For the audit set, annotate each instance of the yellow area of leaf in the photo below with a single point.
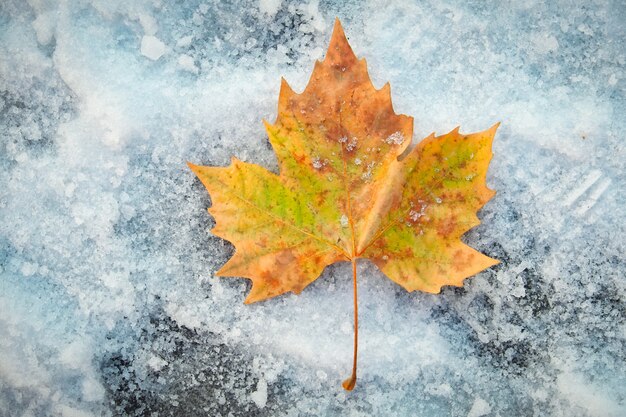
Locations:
(344, 193)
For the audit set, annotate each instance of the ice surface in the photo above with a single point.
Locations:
(109, 304)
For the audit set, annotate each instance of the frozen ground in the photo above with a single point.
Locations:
(108, 304)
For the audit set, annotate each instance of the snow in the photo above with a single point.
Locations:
(259, 397)
(186, 63)
(395, 138)
(344, 221)
(185, 41)
(269, 7)
(152, 47)
(317, 163)
(109, 301)
(479, 408)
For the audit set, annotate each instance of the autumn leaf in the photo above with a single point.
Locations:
(346, 190)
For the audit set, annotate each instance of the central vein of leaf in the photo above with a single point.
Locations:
(346, 183)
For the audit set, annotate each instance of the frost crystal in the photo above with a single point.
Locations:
(414, 215)
(352, 145)
(317, 163)
(344, 220)
(395, 138)
(367, 175)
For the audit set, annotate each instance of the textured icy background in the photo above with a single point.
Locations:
(108, 304)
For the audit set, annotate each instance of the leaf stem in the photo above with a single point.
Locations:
(349, 383)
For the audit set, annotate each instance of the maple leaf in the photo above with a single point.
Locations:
(346, 190)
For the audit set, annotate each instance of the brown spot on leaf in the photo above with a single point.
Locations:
(446, 226)
(285, 257)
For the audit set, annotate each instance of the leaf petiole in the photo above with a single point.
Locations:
(349, 383)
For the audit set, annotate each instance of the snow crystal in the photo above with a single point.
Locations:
(414, 215)
(395, 138)
(352, 144)
(367, 175)
(317, 163)
(344, 220)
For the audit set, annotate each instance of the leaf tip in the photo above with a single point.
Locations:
(285, 88)
(339, 50)
(194, 168)
(234, 161)
(338, 33)
(491, 132)
(337, 23)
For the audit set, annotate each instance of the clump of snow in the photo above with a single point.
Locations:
(269, 7)
(149, 24)
(156, 363)
(184, 41)
(545, 43)
(479, 408)
(186, 62)
(152, 47)
(260, 395)
(44, 27)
